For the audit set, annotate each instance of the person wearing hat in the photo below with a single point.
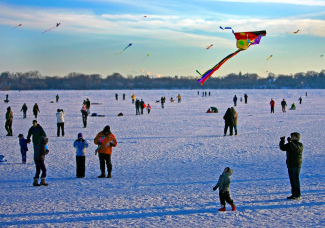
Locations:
(9, 117)
(80, 144)
(294, 150)
(105, 141)
(283, 105)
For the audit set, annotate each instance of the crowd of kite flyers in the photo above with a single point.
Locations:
(105, 141)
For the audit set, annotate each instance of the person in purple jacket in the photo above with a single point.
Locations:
(23, 147)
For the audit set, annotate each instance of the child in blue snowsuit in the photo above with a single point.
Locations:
(80, 144)
(23, 147)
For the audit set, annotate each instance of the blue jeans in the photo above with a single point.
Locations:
(294, 180)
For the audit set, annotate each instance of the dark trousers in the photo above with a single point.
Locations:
(60, 125)
(141, 111)
(272, 109)
(23, 155)
(148, 111)
(105, 158)
(84, 120)
(8, 127)
(230, 129)
(40, 165)
(294, 180)
(35, 114)
(283, 108)
(24, 114)
(225, 197)
(137, 111)
(80, 165)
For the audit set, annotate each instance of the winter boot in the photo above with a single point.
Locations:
(36, 183)
(233, 207)
(101, 175)
(109, 175)
(43, 182)
(223, 208)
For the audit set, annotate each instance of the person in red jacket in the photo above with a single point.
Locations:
(272, 103)
(105, 141)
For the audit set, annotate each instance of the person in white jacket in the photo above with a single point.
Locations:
(60, 121)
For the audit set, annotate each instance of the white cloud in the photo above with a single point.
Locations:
(295, 2)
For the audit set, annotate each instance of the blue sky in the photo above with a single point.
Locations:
(173, 33)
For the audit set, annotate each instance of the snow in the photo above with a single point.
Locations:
(166, 163)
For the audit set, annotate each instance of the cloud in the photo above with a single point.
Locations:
(294, 2)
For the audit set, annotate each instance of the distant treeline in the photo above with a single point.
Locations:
(78, 81)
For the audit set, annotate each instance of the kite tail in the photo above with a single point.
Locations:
(208, 73)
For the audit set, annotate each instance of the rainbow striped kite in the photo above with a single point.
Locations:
(244, 41)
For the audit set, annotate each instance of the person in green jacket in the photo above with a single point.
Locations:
(37, 132)
(9, 117)
(294, 150)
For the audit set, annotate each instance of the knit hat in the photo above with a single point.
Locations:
(79, 135)
(296, 134)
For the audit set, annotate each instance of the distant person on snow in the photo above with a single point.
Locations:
(57, 98)
(60, 122)
(294, 150)
(228, 117)
(24, 110)
(137, 107)
(148, 108)
(84, 113)
(245, 97)
(235, 100)
(234, 118)
(35, 110)
(224, 189)
(39, 157)
(272, 104)
(283, 105)
(300, 100)
(8, 124)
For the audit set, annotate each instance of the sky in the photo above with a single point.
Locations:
(168, 37)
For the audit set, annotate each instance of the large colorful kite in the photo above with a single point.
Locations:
(244, 41)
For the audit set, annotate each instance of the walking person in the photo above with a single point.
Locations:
(283, 105)
(294, 150)
(133, 98)
(24, 110)
(60, 122)
(36, 110)
(80, 144)
(224, 189)
(8, 124)
(40, 151)
(300, 100)
(57, 98)
(272, 104)
(106, 141)
(123, 96)
(235, 100)
(228, 117)
(142, 106)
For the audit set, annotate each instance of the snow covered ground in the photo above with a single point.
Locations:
(166, 163)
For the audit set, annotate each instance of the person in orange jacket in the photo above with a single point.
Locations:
(105, 141)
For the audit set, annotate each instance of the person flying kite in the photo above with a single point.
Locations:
(244, 41)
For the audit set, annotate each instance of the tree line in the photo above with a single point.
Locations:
(78, 81)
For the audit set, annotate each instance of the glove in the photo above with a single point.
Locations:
(282, 138)
(111, 143)
(28, 140)
(99, 143)
(289, 139)
(214, 188)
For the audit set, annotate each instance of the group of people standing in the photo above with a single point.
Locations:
(140, 105)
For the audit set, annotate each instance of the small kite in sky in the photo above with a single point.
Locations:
(321, 56)
(16, 26)
(208, 47)
(244, 41)
(57, 25)
(227, 28)
(144, 16)
(130, 44)
(296, 31)
(269, 57)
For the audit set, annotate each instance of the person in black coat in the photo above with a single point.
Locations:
(228, 117)
(24, 109)
(294, 150)
(35, 110)
(142, 106)
(39, 157)
(137, 107)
